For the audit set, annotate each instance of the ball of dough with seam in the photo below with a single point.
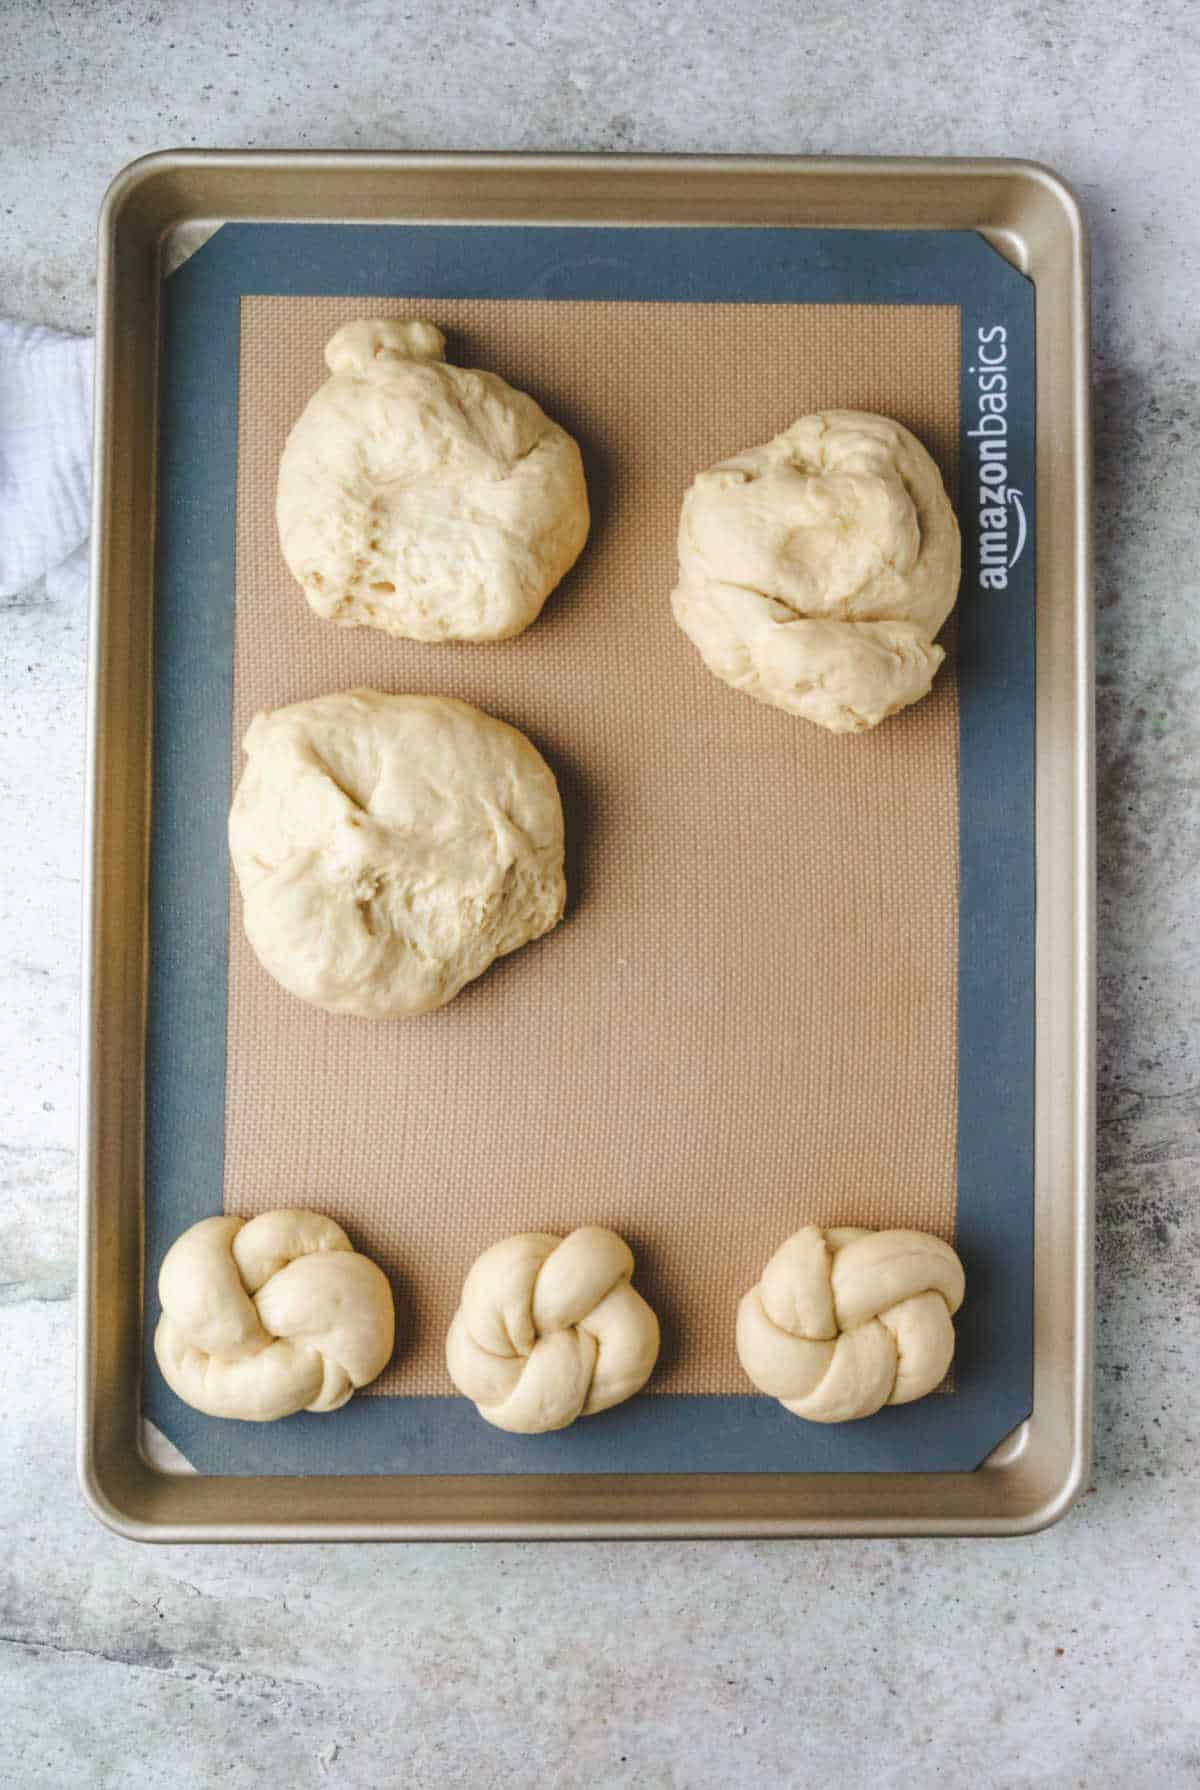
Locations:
(432, 501)
(845, 1321)
(815, 570)
(271, 1315)
(389, 848)
(549, 1329)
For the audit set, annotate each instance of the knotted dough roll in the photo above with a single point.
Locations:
(272, 1315)
(549, 1329)
(845, 1321)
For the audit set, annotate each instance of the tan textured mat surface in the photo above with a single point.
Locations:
(747, 1019)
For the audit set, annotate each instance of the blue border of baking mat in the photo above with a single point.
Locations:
(188, 880)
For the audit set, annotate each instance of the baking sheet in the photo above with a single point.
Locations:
(755, 1013)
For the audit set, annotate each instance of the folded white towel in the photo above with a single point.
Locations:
(45, 458)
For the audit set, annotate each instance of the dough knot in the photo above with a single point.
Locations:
(550, 1329)
(264, 1317)
(845, 1321)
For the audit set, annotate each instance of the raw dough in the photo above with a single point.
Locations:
(425, 499)
(814, 571)
(550, 1329)
(390, 847)
(844, 1321)
(266, 1317)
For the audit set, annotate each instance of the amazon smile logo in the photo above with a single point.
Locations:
(1014, 498)
(1003, 527)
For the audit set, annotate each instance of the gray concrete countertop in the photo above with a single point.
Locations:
(1065, 1660)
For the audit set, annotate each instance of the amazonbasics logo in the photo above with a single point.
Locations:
(1002, 525)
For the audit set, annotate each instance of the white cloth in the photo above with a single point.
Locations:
(45, 458)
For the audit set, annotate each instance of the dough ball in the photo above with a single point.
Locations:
(845, 1321)
(815, 571)
(427, 500)
(389, 848)
(550, 1329)
(270, 1316)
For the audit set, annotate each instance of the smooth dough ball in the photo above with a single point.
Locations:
(550, 1329)
(428, 500)
(845, 1321)
(389, 848)
(264, 1317)
(815, 571)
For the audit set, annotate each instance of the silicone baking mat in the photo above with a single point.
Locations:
(767, 1001)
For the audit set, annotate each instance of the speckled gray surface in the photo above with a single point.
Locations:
(1069, 1659)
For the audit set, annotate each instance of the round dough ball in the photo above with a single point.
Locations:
(814, 571)
(550, 1329)
(428, 500)
(389, 848)
(846, 1321)
(266, 1317)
